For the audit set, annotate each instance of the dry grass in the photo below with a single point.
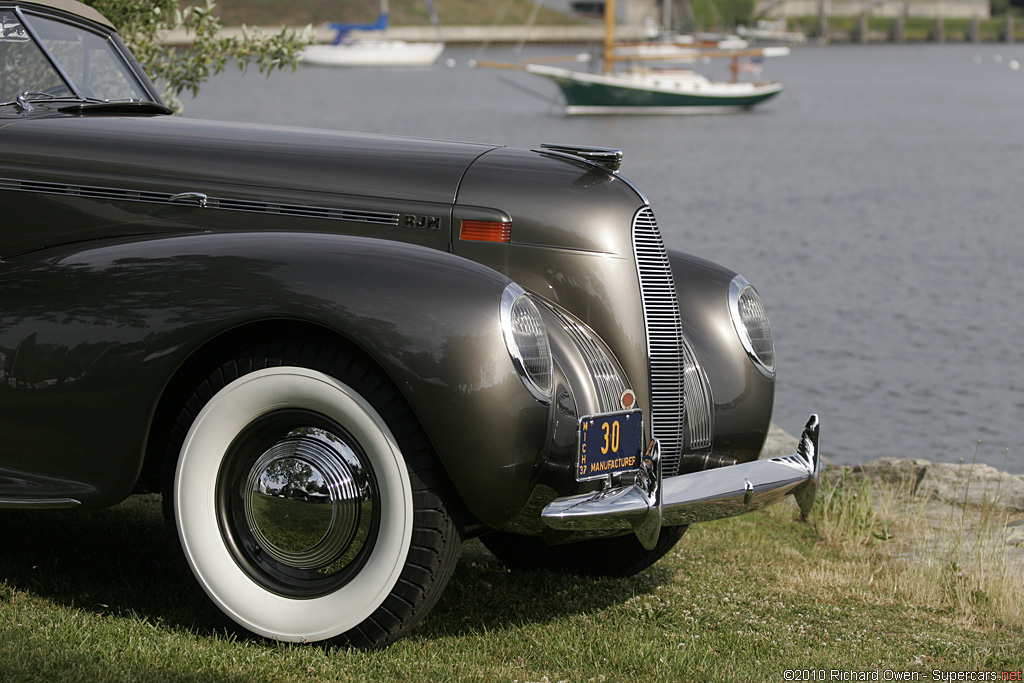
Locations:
(922, 553)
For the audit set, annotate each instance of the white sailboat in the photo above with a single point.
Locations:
(349, 50)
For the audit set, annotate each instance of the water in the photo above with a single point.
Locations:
(876, 204)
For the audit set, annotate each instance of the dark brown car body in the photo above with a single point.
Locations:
(140, 251)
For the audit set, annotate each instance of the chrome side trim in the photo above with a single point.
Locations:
(175, 199)
(653, 502)
(200, 198)
(38, 503)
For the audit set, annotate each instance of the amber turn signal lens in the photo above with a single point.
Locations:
(486, 231)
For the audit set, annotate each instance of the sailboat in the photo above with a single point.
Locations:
(644, 90)
(346, 50)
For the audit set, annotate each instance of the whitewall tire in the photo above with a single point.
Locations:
(299, 513)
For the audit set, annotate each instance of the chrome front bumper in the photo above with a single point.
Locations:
(652, 502)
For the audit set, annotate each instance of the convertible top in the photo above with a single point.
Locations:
(73, 7)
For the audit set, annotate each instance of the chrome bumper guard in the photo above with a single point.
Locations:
(652, 502)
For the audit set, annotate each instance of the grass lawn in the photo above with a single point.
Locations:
(93, 597)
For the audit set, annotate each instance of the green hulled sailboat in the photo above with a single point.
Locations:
(643, 90)
(652, 91)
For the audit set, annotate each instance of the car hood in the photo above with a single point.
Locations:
(204, 153)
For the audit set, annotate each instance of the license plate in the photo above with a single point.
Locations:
(609, 444)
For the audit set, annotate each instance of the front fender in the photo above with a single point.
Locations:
(93, 336)
(743, 396)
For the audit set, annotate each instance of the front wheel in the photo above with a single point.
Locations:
(299, 513)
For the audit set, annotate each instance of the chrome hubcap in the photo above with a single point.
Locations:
(309, 502)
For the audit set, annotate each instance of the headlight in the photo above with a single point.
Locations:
(751, 323)
(527, 340)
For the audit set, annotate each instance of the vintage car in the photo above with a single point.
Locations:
(338, 355)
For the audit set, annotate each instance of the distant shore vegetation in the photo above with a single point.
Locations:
(402, 12)
(707, 15)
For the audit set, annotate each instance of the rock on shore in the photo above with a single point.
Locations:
(958, 483)
(973, 484)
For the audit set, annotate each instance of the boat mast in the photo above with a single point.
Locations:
(609, 35)
(434, 20)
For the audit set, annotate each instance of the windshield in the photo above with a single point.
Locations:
(23, 68)
(91, 66)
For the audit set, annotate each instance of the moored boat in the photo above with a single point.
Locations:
(652, 91)
(643, 90)
(373, 53)
(346, 50)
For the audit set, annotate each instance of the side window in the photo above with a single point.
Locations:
(22, 65)
(89, 60)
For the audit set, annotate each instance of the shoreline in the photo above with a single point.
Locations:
(955, 501)
(973, 484)
(588, 33)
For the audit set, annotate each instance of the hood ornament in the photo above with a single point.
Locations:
(606, 157)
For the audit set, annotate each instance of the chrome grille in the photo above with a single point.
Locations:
(681, 413)
(607, 379)
(697, 392)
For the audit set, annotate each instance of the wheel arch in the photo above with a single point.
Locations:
(210, 355)
(471, 485)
